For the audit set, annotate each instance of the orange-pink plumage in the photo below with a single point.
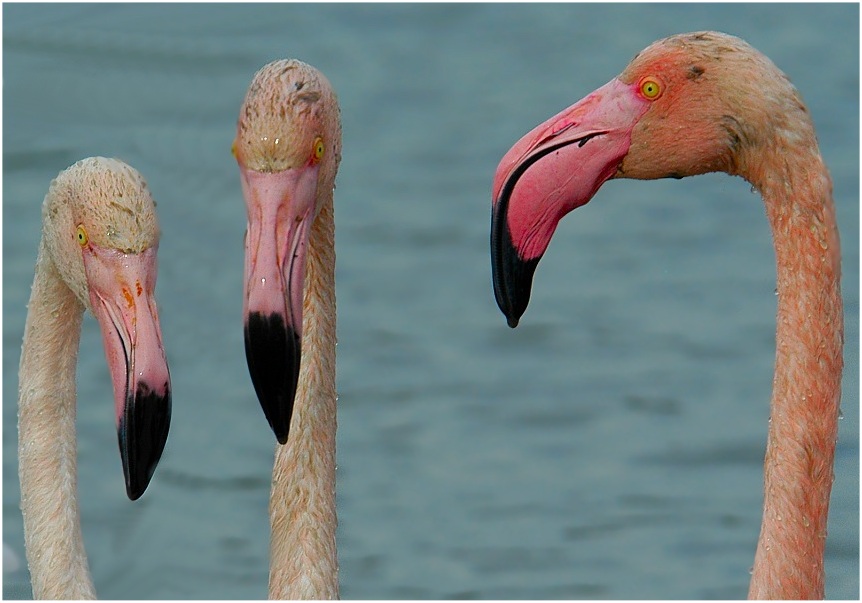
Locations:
(687, 105)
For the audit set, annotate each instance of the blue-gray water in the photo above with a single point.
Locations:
(609, 447)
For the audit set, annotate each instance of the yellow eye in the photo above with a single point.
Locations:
(233, 149)
(651, 88)
(319, 148)
(81, 235)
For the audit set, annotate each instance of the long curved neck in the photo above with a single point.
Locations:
(303, 561)
(47, 445)
(803, 426)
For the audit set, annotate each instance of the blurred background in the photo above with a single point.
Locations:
(610, 447)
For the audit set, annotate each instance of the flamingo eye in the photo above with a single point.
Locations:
(651, 88)
(81, 235)
(233, 149)
(319, 149)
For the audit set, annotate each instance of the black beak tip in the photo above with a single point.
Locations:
(512, 276)
(273, 352)
(143, 433)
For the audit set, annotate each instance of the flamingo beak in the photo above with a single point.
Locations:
(553, 169)
(122, 299)
(281, 206)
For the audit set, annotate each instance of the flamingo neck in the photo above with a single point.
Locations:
(803, 424)
(303, 560)
(47, 444)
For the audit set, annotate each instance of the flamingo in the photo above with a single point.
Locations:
(686, 105)
(288, 146)
(98, 251)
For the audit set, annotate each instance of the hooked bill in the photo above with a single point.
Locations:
(121, 290)
(553, 169)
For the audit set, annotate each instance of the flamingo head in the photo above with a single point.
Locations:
(102, 234)
(288, 146)
(683, 106)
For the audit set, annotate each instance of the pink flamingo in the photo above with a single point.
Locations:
(288, 147)
(98, 251)
(686, 105)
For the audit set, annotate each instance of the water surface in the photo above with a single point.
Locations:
(610, 447)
